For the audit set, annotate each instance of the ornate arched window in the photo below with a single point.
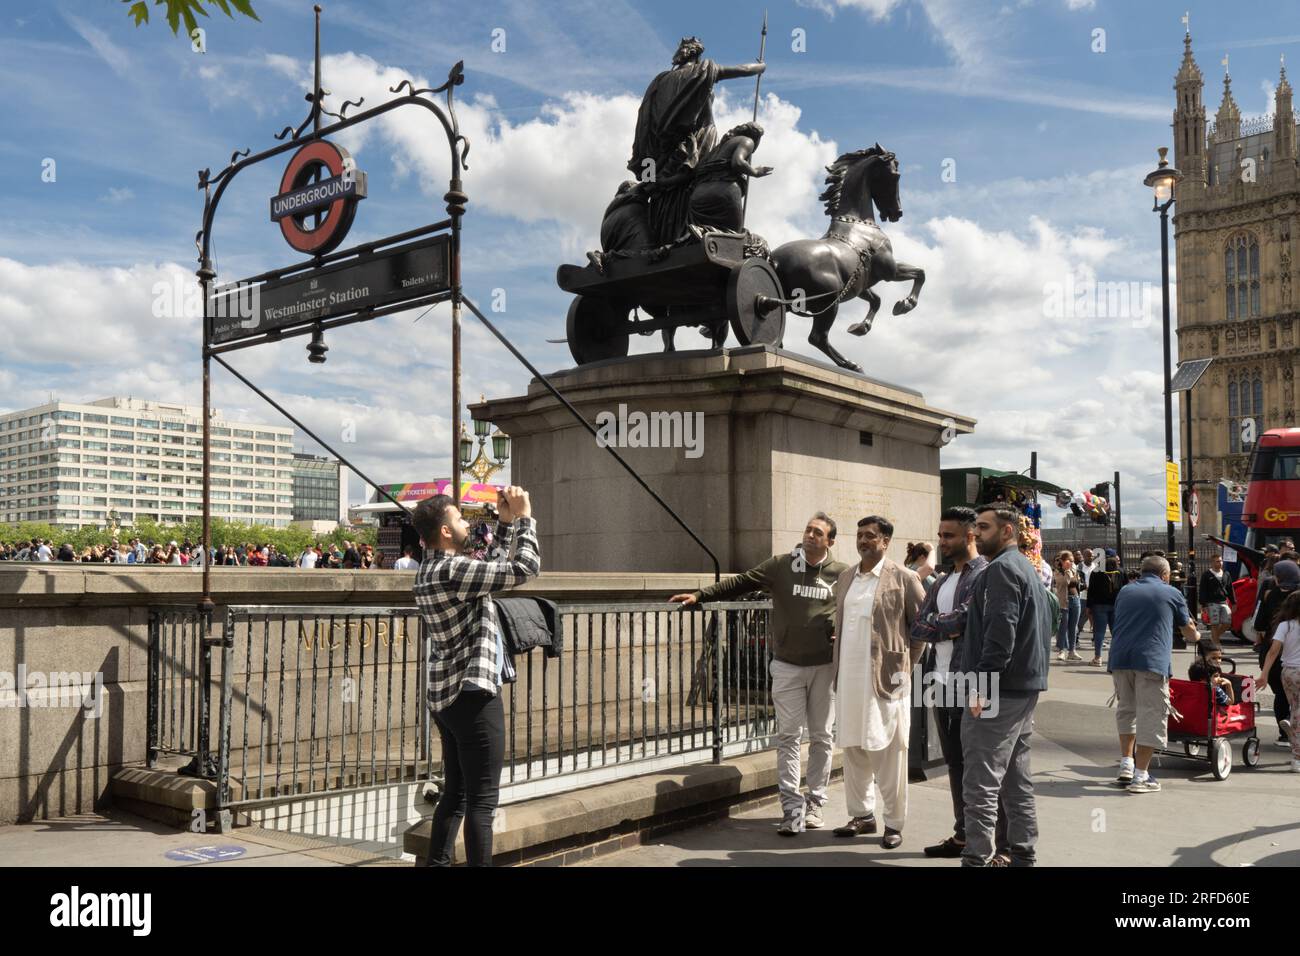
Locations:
(1241, 276)
(1245, 404)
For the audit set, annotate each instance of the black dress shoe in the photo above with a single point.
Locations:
(891, 839)
(949, 849)
(856, 827)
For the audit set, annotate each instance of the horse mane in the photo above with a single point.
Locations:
(836, 172)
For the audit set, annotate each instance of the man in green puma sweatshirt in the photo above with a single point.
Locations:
(803, 621)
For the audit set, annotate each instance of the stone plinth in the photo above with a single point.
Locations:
(783, 437)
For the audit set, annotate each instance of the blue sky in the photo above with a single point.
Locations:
(1048, 137)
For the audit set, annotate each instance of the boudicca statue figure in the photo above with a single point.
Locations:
(675, 251)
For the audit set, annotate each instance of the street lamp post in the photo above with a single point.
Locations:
(482, 466)
(1162, 181)
(1191, 584)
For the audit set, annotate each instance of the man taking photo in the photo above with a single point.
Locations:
(467, 658)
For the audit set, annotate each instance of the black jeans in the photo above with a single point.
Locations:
(948, 720)
(473, 732)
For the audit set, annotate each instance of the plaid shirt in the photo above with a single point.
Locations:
(930, 624)
(454, 595)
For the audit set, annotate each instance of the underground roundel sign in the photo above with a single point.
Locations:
(318, 197)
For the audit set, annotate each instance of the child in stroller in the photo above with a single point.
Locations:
(1208, 668)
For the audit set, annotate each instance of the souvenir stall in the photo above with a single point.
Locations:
(1025, 495)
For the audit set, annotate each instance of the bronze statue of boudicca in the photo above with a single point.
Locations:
(675, 251)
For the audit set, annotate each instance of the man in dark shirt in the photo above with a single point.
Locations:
(1214, 595)
(351, 556)
(1004, 662)
(942, 622)
(803, 673)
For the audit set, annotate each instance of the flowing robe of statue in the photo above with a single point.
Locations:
(674, 128)
(718, 197)
(624, 227)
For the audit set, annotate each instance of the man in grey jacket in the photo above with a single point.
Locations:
(1005, 653)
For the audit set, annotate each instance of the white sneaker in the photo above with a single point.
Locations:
(1295, 765)
(812, 816)
(1074, 657)
(1147, 784)
(1061, 657)
(1126, 767)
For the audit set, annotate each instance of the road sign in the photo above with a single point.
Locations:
(1173, 493)
(1187, 374)
(1193, 508)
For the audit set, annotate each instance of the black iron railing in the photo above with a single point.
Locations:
(328, 700)
(179, 682)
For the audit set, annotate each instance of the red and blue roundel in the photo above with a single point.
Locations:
(318, 197)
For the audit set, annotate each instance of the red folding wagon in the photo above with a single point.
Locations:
(1205, 728)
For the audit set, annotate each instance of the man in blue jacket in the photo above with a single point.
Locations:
(1005, 653)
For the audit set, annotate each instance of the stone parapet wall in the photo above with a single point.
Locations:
(58, 760)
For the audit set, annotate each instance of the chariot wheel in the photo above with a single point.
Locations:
(753, 303)
(596, 329)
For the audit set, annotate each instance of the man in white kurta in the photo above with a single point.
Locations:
(872, 679)
(873, 733)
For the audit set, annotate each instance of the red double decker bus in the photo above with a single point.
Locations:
(1272, 509)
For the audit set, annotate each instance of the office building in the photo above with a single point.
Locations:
(70, 464)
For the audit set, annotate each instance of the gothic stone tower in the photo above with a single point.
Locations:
(1234, 220)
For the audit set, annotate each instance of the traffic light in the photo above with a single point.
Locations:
(1102, 490)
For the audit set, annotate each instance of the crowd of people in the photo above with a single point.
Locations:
(348, 556)
(846, 641)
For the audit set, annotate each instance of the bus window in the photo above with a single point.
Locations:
(1286, 466)
(1276, 464)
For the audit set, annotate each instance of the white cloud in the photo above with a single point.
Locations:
(564, 165)
(117, 194)
(108, 51)
(964, 28)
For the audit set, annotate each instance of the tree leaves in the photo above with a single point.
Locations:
(178, 10)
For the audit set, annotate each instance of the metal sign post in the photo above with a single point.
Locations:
(314, 209)
(1185, 378)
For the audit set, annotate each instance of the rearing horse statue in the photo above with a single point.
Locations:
(853, 255)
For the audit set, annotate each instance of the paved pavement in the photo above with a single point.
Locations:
(1250, 819)
(122, 839)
